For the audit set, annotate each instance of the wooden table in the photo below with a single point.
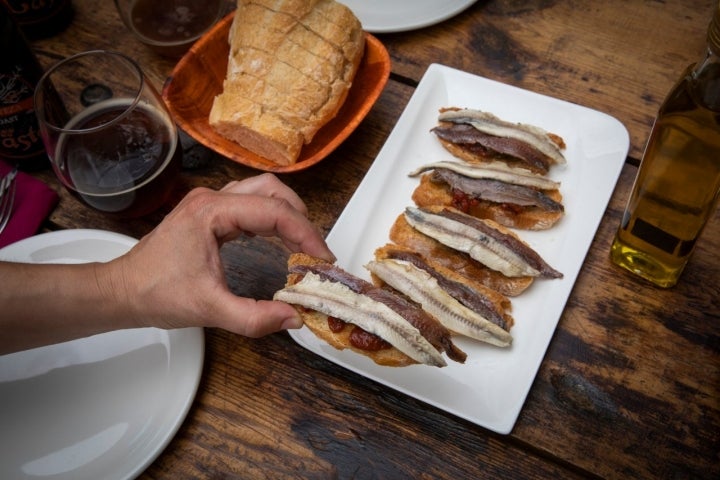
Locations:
(629, 385)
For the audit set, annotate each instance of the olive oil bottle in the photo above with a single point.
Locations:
(678, 183)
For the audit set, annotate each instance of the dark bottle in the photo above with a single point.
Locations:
(20, 141)
(40, 18)
(678, 184)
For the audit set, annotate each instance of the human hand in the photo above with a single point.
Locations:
(174, 276)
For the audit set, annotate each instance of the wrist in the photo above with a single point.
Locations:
(113, 289)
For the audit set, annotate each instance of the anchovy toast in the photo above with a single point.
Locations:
(348, 312)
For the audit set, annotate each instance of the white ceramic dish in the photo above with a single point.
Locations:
(385, 16)
(99, 407)
(491, 387)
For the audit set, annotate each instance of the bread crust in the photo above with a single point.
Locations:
(429, 193)
(290, 68)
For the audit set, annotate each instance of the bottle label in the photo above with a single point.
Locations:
(29, 12)
(19, 132)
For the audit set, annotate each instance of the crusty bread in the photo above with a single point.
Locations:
(429, 193)
(317, 322)
(402, 233)
(290, 68)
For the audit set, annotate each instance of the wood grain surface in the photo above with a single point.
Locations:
(629, 385)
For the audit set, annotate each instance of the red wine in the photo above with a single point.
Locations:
(127, 169)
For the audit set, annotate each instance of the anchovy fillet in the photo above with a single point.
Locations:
(497, 191)
(424, 289)
(490, 124)
(337, 300)
(496, 171)
(463, 292)
(494, 249)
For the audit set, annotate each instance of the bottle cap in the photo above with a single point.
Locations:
(713, 37)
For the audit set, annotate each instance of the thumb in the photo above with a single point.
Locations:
(256, 318)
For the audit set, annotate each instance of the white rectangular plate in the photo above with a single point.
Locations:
(491, 387)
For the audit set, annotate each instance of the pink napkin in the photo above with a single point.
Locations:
(33, 203)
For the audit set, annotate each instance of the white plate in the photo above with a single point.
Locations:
(491, 387)
(100, 407)
(385, 16)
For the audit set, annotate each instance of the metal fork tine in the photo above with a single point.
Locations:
(7, 197)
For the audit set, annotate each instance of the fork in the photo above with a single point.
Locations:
(7, 197)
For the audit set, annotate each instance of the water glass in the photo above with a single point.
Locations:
(170, 27)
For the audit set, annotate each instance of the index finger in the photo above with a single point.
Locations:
(268, 185)
(268, 216)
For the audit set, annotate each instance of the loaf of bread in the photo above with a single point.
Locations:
(290, 67)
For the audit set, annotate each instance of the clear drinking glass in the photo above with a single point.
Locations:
(108, 134)
(170, 27)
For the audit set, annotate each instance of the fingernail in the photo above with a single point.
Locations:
(292, 323)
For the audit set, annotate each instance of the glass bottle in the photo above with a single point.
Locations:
(40, 19)
(20, 141)
(678, 183)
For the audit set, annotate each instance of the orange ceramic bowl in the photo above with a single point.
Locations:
(198, 78)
